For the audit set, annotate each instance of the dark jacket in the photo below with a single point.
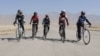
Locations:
(46, 21)
(20, 17)
(82, 19)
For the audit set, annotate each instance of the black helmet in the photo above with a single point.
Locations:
(35, 13)
(82, 13)
(46, 15)
(19, 11)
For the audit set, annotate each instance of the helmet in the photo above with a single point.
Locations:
(35, 13)
(63, 13)
(82, 13)
(19, 11)
(63, 10)
(46, 15)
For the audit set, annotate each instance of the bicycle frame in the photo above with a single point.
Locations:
(19, 31)
(84, 30)
(34, 29)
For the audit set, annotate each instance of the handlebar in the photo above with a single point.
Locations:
(88, 25)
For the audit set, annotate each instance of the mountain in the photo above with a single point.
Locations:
(54, 16)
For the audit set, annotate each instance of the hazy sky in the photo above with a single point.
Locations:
(44, 6)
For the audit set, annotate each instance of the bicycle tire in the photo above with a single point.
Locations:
(33, 30)
(17, 34)
(86, 37)
(62, 34)
(45, 31)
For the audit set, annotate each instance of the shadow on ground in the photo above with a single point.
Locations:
(40, 38)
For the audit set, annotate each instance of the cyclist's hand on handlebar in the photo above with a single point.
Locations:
(89, 26)
(67, 24)
(42, 23)
(30, 23)
(23, 21)
(14, 23)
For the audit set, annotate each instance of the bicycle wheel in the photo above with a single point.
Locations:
(62, 33)
(20, 33)
(86, 37)
(17, 33)
(46, 31)
(33, 30)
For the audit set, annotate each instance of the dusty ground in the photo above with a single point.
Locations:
(52, 46)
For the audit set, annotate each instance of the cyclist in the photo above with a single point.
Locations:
(46, 21)
(62, 20)
(80, 23)
(35, 20)
(20, 18)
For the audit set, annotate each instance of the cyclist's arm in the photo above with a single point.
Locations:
(88, 21)
(37, 20)
(59, 20)
(23, 16)
(49, 21)
(16, 18)
(43, 21)
(31, 20)
(23, 19)
(67, 20)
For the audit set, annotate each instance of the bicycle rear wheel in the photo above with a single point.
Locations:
(62, 34)
(33, 31)
(45, 31)
(86, 37)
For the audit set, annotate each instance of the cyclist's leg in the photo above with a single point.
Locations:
(48, 28)
(64, 31)
(79, 31)
(22, 25)
(59, 28)
(44, 31)
(32, 29)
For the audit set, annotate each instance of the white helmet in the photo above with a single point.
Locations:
(64, 10)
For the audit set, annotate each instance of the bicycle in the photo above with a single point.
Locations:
(62, 33)
(46, 31)
(19, 32)
(34, 30)
(85, 34)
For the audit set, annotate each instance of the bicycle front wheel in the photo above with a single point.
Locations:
(86, 37)
(17, 34)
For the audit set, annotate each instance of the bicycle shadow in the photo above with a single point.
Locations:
(14, 39)
(40, 38)
(53, 40)
(30, 37)
(9, 39)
